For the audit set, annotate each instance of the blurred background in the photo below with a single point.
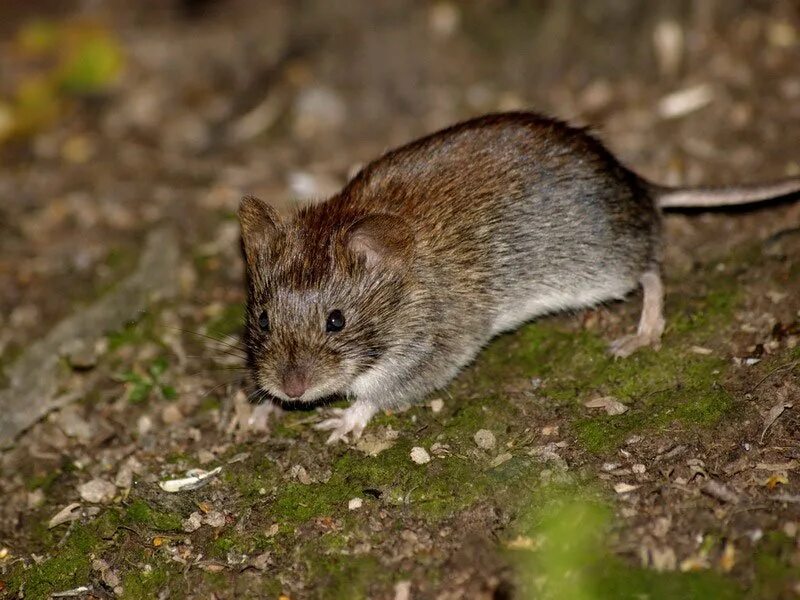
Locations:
(116, 115)
(119, 118)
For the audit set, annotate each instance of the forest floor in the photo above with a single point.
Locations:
(128, 135)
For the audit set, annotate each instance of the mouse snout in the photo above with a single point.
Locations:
(295, 382)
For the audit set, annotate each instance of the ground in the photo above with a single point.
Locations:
(129, 132)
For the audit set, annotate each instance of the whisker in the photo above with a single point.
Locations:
(210, 337)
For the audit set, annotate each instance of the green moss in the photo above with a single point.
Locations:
(69, 567)
(662, 388)
(343, 577)
(139, 584)
(140, 513)
(776, 566)
(571, 558)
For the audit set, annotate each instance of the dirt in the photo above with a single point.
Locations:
(127, 117)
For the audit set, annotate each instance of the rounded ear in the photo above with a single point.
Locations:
(381, 239)
(259, 225)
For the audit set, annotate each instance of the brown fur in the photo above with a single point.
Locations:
(436, 247)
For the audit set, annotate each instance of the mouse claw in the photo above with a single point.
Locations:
(352, 420)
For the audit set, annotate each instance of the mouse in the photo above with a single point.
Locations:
(383, 292)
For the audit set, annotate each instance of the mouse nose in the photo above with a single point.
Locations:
(295, 383)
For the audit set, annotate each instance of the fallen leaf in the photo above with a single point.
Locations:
(624, 488)
(728, 558)
(68, 513)
(775, 480)
(196, 478)
(772, 416)
(611, 405)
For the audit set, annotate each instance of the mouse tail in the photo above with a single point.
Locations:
(711, 197)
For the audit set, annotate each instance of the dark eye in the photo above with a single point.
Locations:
(263, 321)
(335, 321)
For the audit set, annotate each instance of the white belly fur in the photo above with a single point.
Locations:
(513, 315)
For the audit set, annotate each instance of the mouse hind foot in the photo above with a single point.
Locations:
(651, 323)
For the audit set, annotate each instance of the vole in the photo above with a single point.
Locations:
(383, 292)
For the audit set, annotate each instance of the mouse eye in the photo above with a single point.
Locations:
(263, 321)
(335, 321)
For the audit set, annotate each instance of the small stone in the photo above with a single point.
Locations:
(97, 491)
(624, 488)
(144, 425)
(355, 503)
(611, 405)
(437, 404)
(124, 478)
(402, 590)
(420, 456)
(171, 414)
(214, 519)
(192, 522)
(484, 439)
(638, 468)
(550, 430)
(81, 355)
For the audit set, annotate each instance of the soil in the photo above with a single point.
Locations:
(689, 489)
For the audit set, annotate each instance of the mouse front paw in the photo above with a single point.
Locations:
(345, 421)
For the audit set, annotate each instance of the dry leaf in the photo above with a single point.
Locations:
(728, 558)
(772, 416)
(624, 488)
(775, 480)
(69, 513)
(611, 405)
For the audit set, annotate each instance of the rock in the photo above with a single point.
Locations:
(420, 456)
(355, 503)
(192, 522)
(485, 439)
(437, 404)
(97, 491)
(214, 519)
(171, 414)
(611, 405)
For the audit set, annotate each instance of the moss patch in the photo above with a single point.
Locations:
(567, 532)
(67, 568)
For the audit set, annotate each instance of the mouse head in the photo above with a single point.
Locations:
(328, 293)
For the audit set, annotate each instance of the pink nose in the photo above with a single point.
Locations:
(295, 384)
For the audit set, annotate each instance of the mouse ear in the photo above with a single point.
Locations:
(381, 239)
(259, 225)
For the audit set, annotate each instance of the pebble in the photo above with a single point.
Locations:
(355, 503)
(171, 414)
(437, 404)
(638, 468)
(192, 522)
(97, 491)
(420, 456)
(214, 519)
(624, 488)
(484, 439)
